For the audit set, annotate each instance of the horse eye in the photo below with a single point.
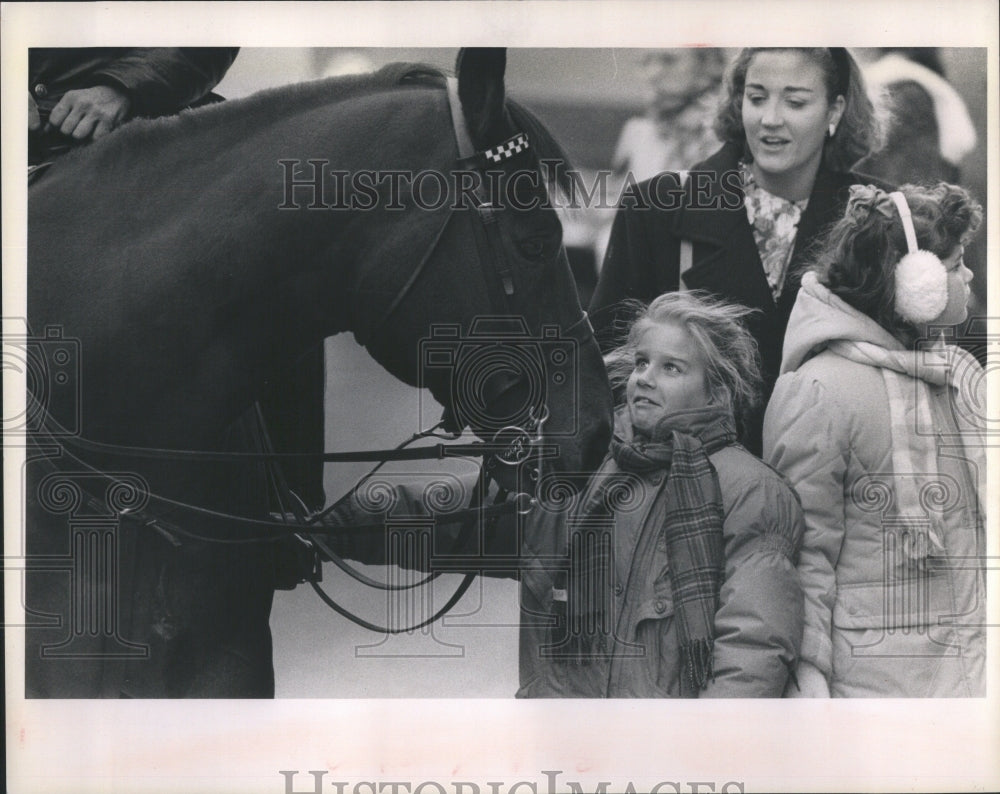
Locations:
(533, 248)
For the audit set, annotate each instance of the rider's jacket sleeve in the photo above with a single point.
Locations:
(159, 80)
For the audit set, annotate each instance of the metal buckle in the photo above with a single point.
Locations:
(518, 447)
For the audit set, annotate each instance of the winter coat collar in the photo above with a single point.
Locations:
(724, 190)
(717, 222)
(820, 321)
(721, 187)
(820, 317)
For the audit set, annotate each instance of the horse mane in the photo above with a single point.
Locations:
(140, 136)
(330, 90)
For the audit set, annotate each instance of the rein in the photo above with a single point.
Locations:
(56, 447)
(472, 449)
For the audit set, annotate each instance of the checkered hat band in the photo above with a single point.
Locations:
(507, 149)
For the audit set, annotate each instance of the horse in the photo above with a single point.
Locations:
(178, 265)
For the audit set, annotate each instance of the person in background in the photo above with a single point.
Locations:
(879, 425)
(676, 130)
(80, 94)
(930, 131)
(793, 122)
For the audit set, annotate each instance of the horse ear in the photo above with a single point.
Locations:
(480, 73)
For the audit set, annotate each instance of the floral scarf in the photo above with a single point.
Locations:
(775, 222)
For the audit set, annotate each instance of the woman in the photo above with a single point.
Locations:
(878, 425)
(673, 576)
(793, 123)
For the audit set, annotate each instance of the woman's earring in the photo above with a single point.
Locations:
(832, 130)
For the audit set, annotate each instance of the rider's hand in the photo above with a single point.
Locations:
(34, 120)
(90, 112)
(812, 683)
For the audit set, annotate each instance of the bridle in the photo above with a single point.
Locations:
(515, 447)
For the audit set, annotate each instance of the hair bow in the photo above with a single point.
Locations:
(866, 199)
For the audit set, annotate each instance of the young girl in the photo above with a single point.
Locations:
(878, 423)
(793, 123)
(674, 574)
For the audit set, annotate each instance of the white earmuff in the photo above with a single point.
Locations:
(921, 277)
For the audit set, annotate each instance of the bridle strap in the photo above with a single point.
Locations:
(466, 151)
(272, 530)
(455, 596)
(410, 281)
(487, 213)
(465, 148)
(313, 540)
(474, 449)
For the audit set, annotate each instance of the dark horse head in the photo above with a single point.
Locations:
(519, 346)
(178, 265)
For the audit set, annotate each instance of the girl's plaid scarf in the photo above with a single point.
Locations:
(692, 529)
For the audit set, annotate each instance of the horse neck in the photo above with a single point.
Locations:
(331, 249)
(189, 252)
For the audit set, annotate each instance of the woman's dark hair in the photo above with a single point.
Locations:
(859, 256)
(859, 132)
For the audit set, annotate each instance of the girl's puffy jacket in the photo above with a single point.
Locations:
(877, 623)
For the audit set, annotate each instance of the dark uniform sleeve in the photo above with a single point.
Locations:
(164, 80)
(404, 521)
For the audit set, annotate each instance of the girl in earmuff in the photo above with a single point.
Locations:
(879, 425)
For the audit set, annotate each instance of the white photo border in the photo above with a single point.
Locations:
(207, 746)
